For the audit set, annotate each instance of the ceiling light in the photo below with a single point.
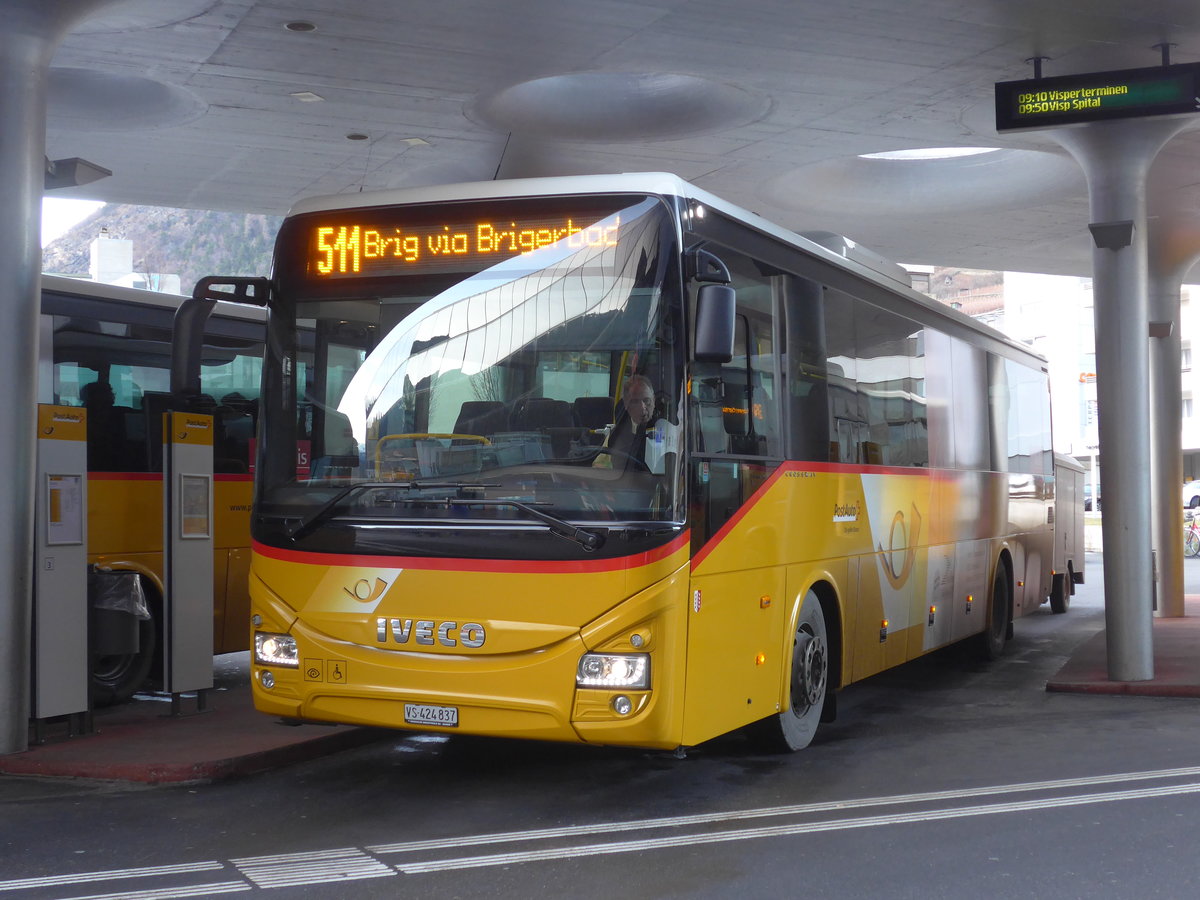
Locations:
(306, 97)
(73, 172)
(300, 27)
(930, 153)
(357, 136)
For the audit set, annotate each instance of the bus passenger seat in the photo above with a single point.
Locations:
(483, 417)
(550, 417)
(593, 412)
(105, 431)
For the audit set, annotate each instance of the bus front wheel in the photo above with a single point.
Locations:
(794, 728)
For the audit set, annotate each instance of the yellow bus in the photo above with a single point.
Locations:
(606, 459)
(108, 348)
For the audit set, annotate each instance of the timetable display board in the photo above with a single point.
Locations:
(1097, 97)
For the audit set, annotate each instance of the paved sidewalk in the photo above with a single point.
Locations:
(1176, 661)
(140, 741)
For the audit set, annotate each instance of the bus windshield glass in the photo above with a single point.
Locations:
(521, 354)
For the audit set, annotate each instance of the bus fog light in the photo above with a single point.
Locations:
(275, 650)
(622, 705)
(614, 670)
(268, 680)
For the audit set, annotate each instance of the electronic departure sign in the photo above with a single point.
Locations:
(1097, 97)
(368, 246)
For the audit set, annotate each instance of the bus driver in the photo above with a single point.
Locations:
(641, 436)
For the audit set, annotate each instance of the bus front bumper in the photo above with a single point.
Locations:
(521, 695)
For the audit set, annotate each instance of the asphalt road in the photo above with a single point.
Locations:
(945, 778)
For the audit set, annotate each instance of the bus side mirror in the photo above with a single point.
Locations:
(233, 289)
(187, 333)
(715, 304)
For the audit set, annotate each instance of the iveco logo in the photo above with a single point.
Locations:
(427, 632)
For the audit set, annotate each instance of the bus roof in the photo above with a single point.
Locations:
(839, 251)
(85, 287)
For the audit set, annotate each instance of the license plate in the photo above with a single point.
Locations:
(424, 714)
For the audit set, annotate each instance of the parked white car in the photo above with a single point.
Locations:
(1191, 494)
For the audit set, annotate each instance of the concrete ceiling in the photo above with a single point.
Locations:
(768, 103)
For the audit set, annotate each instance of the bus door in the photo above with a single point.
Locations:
(739, 539)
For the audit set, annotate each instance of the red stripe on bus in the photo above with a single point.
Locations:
(157, 476)
(124, 476)
(855, 469)
(458, 564)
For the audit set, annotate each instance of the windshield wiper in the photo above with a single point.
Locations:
(589, 540)
(297, 528)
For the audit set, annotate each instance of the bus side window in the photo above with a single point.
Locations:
(807, 369)
(891, 385)
(847, 422)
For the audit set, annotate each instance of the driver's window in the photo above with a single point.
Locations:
(736, 404)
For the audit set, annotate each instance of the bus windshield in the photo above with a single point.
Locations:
(535, 373)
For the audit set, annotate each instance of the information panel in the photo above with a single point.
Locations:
(61, 657)
(1097, 97)
(188, 552)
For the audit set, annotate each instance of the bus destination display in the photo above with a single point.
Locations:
(348, 249)
(1097, 96)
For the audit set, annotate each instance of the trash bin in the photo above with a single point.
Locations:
(117, 603)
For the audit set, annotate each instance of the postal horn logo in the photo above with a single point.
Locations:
(364, 593)
(903, 538)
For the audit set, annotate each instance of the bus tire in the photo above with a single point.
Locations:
(1060, 593)
(116, 677)
(794, 728)
(993, 638)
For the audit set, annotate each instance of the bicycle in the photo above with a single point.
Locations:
(1191, 536)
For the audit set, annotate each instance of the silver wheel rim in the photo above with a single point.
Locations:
(809, 672)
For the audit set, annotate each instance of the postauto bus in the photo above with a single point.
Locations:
(837, 474)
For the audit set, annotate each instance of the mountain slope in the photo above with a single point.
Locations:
(189, 242)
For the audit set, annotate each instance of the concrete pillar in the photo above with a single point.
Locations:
(1166, 436)
(31, 31)
(1174, 246)
(1116, 158)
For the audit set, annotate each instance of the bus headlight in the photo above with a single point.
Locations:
(614, 670)
(275, 650)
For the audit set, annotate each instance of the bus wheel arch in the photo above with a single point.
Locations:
(114, 678)
(811, 674)
(833, 626)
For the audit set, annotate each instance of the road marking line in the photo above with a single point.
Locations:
(196, 890)
(691, 840)
(110, 875)
(772, 811)
(318, 867)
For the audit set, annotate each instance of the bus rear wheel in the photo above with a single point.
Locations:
(1060, 592)
(995, 635)
(794, 728)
